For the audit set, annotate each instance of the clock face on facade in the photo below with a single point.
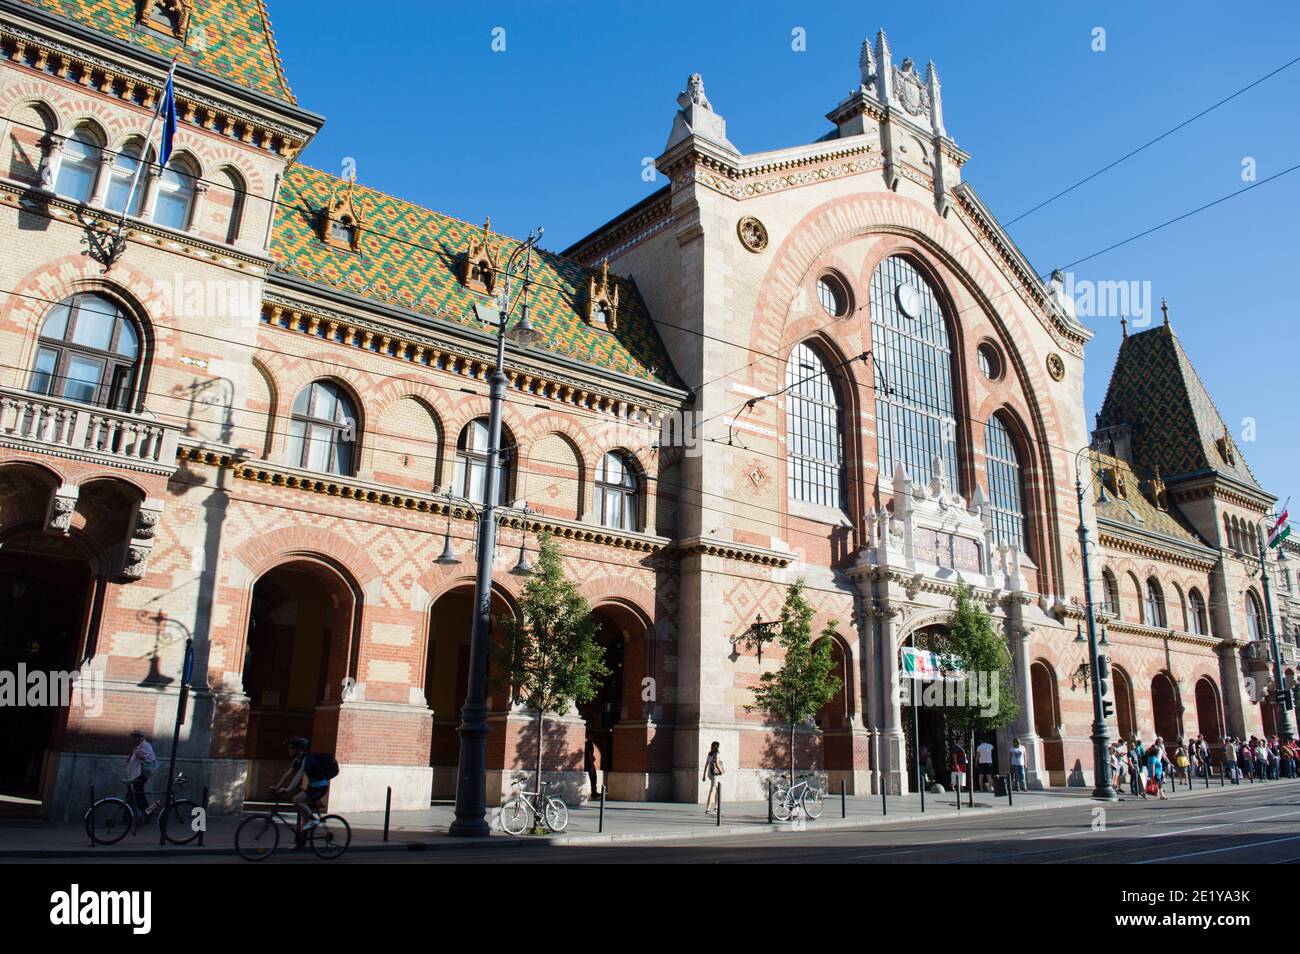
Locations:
(909, 299)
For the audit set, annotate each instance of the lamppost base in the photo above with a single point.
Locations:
(1104, 793)
(469, 828)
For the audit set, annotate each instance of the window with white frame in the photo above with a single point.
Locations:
(617, 500)
(1006, 485)
(814, 455)
(323, 429)
(470, 479)
(79, 164)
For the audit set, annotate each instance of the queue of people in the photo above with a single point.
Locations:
(1145, 769)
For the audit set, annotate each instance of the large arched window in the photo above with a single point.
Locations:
(176, 194)
(232, 185)
(122, 176)
(912, 357)
(79, 164)
(616, 492)
(1155, 604)
(323, 429)
(812, 421)
(1006, 486)
(470, 480)
(1254, 616)
(88, 351)
(1196, 621)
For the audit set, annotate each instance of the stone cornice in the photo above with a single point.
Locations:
(702, 546)
(1155, 633)
(42, 56)
(25, 196)
(1216, 486)
(431, 352)
(1155, 547)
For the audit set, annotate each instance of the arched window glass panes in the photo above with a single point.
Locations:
(470, 480)
(88, 351)
(1112, 593)
(616, 493)
(78, 165)
(912, 358)
(1155, 604)
(121, 176)
(814, 459)
(1006, 487)
(175, 195)
(1196, 621)
(1254, 617)
(322, 429)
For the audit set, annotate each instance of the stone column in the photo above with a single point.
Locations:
(50, 162)
(1232, 680)
(102, 180)
(196, 210)
(893, 745)
(1023, 726)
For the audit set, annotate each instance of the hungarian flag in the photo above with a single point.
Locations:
(925, 665)
(1281, 530)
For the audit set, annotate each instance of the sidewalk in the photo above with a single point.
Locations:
(623, 822)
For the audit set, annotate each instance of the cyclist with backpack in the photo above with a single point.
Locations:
(311, 772)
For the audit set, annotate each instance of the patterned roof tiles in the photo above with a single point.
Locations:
(410, 257)
(1175, 425)
(227, 38)
(1136, 509)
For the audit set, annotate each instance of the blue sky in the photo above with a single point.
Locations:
(553, 131)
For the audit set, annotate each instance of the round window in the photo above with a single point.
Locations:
(990, 362)
(833, 296)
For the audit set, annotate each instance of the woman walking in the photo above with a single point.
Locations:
(713, 771)
(1156, 768)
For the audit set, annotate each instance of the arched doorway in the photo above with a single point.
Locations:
(928, 739)
(1164, 708)
(1125, 711)
(835, 719)
(619, 720)
(446, 677)
(45, 595)
(298, 656)
(1047, 720)
(1209, 714)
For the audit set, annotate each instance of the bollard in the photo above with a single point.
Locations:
(90, 817)
(600, 826)
(1206, 773)
(1010, 799)
(1223, 772)
(203, 831)
(957, 789)
(388, 810)
(770, 819)
(844, 804)
(884, 805)
(719, 822)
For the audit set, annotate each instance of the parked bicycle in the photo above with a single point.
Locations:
(807, 795)
(258, 835)
(111, 819)
(519, 813)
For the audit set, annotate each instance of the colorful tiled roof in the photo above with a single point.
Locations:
(1137, 509)
(231, 39)
(1175, 426)
(411, 257)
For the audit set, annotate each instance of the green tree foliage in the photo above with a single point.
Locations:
(806, 680)
(983, 655)
(549, 657)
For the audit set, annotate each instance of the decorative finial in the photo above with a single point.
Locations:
(1123, 323)
(1164, 308)
(867, 64)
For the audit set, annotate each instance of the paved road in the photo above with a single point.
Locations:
(1235, 825)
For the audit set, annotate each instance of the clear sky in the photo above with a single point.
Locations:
(553, 130)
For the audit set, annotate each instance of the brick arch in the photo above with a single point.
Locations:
(275, 402)
(538, 471)
(637, 598)
(28, 92)
(300, 373)
(432, 455)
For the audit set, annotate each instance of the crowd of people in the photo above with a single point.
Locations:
(1145, 769)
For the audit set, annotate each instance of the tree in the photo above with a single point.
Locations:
(549, 656)
(805, 682)
(983, 656)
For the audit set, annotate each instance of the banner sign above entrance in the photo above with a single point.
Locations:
(922, 664)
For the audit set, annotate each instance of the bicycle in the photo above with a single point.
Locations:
(518, 814)
(259, 835)
(110, 819)
(805, 794)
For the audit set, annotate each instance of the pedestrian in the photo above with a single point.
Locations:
(591, 764)
(927, 764)
(140, 764)
(1156, 769)
(984, 765)
(1230, 767)
(1183, 764)
(1140, 757)
(1261, 760)
(1244, 759)
(713, 772)
(958, 767)
(1134, 774)
(1112, 761)
(1018, 755)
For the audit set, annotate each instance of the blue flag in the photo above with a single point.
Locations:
(169, 117)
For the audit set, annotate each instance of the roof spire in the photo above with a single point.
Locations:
(1123, 323)
(1164, 309)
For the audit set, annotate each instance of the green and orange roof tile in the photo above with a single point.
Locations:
(411, 257)
(231, 39)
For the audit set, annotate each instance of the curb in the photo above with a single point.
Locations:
(489, 843)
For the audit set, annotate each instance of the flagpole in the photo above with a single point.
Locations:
(144, 154)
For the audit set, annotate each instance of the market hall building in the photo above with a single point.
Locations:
(261, 426)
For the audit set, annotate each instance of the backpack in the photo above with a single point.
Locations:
(321, 767)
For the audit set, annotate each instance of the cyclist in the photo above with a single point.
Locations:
(309, 773)
(140, 764)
